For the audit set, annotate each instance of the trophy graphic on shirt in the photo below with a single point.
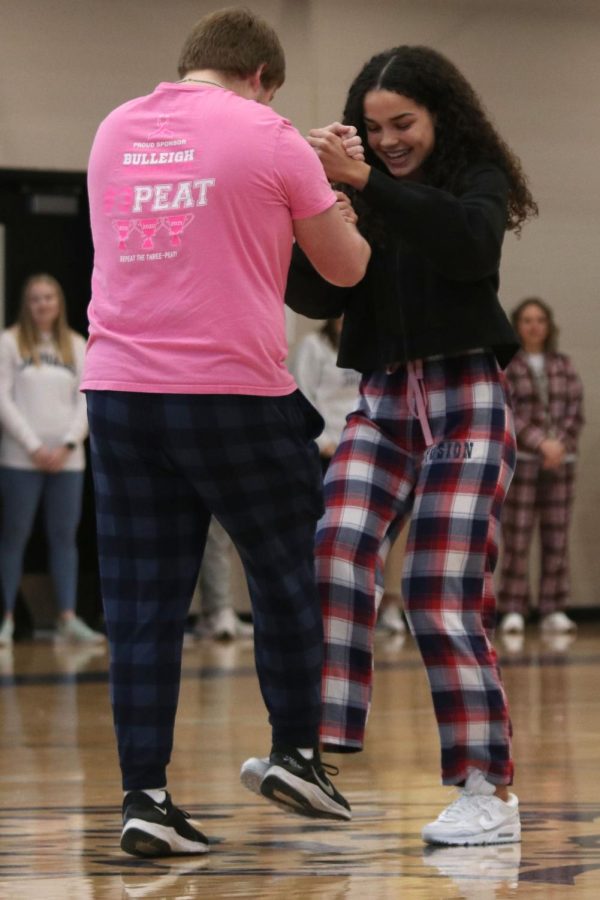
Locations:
(123, 227)
(148, 228)
(176, 225)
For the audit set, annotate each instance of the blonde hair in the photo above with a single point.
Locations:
(27, 334)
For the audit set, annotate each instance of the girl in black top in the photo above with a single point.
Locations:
(433, 435)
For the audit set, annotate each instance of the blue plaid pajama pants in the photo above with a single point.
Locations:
(382, 473)
(162, 465)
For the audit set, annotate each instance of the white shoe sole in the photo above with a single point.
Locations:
(299, 796)
(82, 641)
(252, 773)
(561, 629)
(141, 838)
(508, 832)
(513, 628)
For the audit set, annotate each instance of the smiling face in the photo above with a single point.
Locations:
(400, 132)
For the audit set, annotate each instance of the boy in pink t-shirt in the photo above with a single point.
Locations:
(193, 242)
(196, 194)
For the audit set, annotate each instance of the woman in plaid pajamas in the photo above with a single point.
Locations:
(547, 399)
(432, 437)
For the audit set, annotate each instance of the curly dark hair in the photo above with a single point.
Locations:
(463, 132)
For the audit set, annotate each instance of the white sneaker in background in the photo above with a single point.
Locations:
(512, 623)
(478, 816)
(390, 620)
(556, 642)
(6, 633)
(513, 642)
(479, 872)
(243, 629)
(223, 625)
(76, 630)
(558, 622)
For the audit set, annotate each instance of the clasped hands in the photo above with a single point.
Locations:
(553, 453)
(50, 460)
(339, 147)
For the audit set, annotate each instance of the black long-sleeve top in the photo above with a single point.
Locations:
(433, 289)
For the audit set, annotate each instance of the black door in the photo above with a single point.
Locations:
(45, 219)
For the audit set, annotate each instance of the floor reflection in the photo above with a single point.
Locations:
(478, 872)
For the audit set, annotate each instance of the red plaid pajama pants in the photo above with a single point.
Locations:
(453, 490)
(544, 497)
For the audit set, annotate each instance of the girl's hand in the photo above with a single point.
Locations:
(338, 165)
(553, 453)
(58, 458)
(345, 207)
(328, 450)
(351, 140)
(41, 458)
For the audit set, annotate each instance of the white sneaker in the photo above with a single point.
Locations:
(6, 632)
(513, 623)
(390, 620)
(478, 816)
(76, 630)
(253, 771)
(556, 642)
(224, 625)
(512, 641)
(558, 622)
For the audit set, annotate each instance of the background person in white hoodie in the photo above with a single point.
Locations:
(334, 392)
(44, 423)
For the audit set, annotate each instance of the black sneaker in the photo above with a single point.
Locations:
(301, 786)
(158, 829)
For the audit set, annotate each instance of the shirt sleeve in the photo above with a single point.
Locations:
(529, 435)
(78, 429)
(461, 236)
(569, 427)
(11, 417)
(301, 175)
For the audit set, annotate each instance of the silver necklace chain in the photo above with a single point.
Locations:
(202, 81)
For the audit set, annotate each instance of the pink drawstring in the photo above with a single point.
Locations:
(417, 397)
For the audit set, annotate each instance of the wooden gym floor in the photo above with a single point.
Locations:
(60, 794)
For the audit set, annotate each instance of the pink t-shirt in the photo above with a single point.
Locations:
(193, 190)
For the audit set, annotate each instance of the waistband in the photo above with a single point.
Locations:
(416, 392)
(394, 366)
